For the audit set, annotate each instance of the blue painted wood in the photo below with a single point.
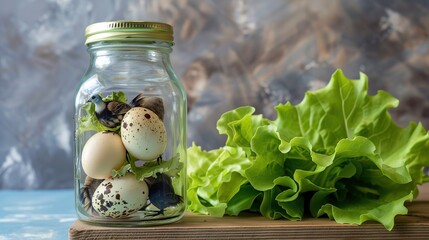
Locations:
(41, 214)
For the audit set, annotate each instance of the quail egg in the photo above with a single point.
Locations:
(143, 134)
(120, 197)
(102, 153)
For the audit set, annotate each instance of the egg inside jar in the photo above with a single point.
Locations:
(130, 170)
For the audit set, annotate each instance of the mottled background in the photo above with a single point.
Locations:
(228, 54)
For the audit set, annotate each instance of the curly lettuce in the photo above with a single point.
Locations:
(336, 154)
(145, 169)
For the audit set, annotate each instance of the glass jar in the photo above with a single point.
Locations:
(130, 128)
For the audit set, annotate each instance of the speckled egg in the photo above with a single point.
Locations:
(103, 152)
(120, 197)
(143, 134)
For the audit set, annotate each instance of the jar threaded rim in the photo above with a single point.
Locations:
(129, 31)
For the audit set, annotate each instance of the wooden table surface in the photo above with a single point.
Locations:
(415, 225)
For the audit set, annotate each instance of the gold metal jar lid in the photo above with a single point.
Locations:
(129, 31)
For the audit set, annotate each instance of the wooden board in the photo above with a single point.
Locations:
(415, 225)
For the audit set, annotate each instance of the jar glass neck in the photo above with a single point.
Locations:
(151, 51)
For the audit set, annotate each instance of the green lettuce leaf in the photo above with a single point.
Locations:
(337, 153)
(214, 178)
(116, 96)
(243, 200)
(146, 169)
(240, 126)
(126, 167)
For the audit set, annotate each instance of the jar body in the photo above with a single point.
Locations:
(130, 137)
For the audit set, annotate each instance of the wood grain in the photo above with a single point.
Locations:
(415, 225)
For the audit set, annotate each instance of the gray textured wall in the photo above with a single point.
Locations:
(228, 53)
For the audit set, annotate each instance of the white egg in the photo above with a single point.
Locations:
(143, 134)
(120, 197)
(103, 152)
